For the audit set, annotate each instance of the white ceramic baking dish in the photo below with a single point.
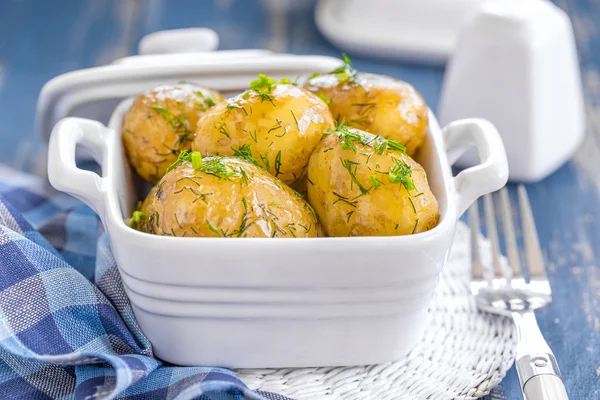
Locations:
(275, 302)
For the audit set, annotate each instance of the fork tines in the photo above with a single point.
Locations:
(498, 273)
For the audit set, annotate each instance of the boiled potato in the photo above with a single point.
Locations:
(161, 123)
(276, 126)
(225, 197)
(374, 103)
(364, 185)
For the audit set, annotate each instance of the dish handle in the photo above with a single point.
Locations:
(490, 174)
(63, 172)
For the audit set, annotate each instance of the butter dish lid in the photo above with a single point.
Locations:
(95, 92)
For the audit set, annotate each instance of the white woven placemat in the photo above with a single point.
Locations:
(462, 355)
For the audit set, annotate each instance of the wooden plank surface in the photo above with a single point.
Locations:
(35, 48)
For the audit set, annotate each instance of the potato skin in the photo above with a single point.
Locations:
(385, 210)
(161, 123)
(282, 133)
(377, 104)
(193, 202)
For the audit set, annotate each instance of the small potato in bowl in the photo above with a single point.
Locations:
(363, 185)
(374, 103)
(224, 197)
(274, 125)
(161, 123)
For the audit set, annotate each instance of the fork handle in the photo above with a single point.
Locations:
(545, 387)
(536, 366)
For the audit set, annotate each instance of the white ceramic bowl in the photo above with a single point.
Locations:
(277, 302)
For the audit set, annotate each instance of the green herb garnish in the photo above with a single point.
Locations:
(277, 164)
(137, 218)
(401, 173)
(413, 205)
(210, 165)
(344, 73)
(196, 159)
(376, 182)
(295, 119)
(209, 102)
(244, 152)
(344, 200)
(231, 106)
(215, 230)
(215, 166)
(265, 161)
(221, 128)
(177, 122)
(326, 99)
(349, 214)
(263, 87)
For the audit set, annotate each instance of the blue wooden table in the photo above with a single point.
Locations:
(42, 39)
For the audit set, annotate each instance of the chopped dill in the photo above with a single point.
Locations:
(350, 136)
(244, 177)
(215, 166)
(263, 87)
(352, 166)
(265, 161)
(292, 229)
(231, 106)
(244, 222)
(221, 128)
(191, 179)
(309, 181)
(137, 219)
(343, 73)
(244, 152)
(313, 212)
(376, 182)
(413, 205)
(277, 164)
(344, 200)
(209, 102)
(349, 214)
(346, 72)
(177, 220)
(285, 81)
(177, 122)
(253, 136)
(326, 99)
(215, 230)
(295, 119)
(415, 227)
(278, 126)
(401, 173)
(305, 228)
(184, 155)
(210, 165)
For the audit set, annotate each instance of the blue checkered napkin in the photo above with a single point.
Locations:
(67, 329)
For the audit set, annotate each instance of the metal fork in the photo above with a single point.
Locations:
(503, 290)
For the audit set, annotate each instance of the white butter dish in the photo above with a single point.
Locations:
(516, 65)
